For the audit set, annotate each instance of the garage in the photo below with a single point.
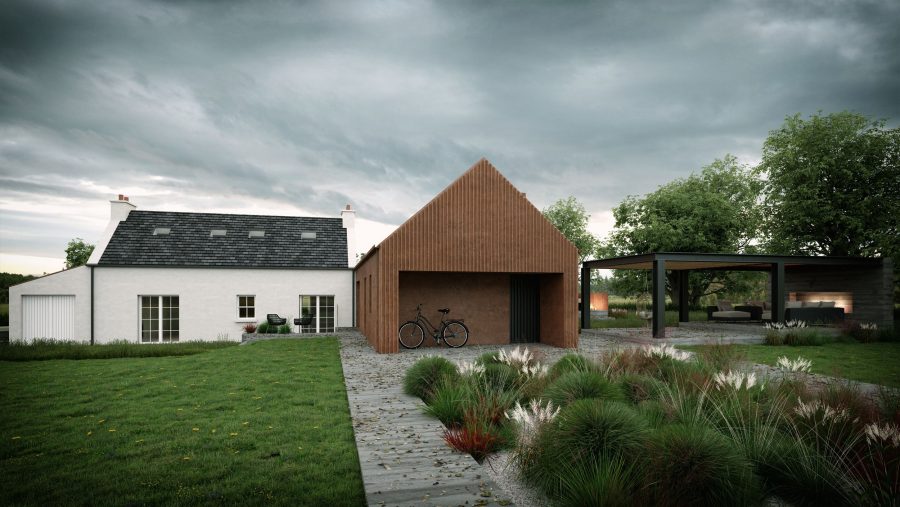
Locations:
(48, 317)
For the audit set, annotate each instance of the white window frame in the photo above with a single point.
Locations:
(159, 318)
(318, 313)
(246, 319)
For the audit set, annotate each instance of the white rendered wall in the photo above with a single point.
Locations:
(71, 282)
(208, 308)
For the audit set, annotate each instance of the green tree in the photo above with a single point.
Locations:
(571, 218)
(7, 280)
(832, 186)
(77, 253)
(715, 211)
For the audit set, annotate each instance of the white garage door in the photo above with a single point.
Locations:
(48, 317)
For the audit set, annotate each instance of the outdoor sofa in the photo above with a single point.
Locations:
(725, 312)
(814, 312)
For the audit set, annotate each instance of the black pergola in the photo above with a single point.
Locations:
(684, 263)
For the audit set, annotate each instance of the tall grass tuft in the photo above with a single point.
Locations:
(694, 465)
(569, 363)
(423, 377)
(579, 385)
(610, 482)
(720, 356)
(583, 432)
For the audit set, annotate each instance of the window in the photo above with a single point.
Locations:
(322, 311)
(159, 319)
(256, 234)
(307, 235)
(161, 231)
(246, 307)
(217, 232)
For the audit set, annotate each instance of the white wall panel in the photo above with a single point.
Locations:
(48, 317)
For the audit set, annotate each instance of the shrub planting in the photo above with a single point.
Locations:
(694, 465)
(610, 482)
(423, 377)
(578, 385)
(654, 426)
(569, 363)
(250, 328)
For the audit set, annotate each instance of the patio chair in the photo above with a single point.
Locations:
(274, 321)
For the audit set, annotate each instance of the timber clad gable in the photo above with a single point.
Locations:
(479, 224)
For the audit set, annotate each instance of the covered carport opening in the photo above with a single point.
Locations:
(498, 308)
(872, 272)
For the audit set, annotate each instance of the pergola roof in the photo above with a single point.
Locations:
(679, 261)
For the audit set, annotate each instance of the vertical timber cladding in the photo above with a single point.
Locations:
(479, 224)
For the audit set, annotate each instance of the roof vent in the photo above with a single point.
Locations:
(256, 234)
(161, 231)
(307, 235)
(217, 232)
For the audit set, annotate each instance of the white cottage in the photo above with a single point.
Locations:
(165, 276)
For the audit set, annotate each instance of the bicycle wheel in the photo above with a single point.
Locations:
(411, 335)
(455, 333)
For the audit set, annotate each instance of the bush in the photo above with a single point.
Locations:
(798, 337)
(284, 329)
(488, 358)
(798, 474)
(423, 377)
(249, 328)
(262, 328)
(720, 356)
(694, 465)
(447, 403)
(638, 388)
(501, 376)
(569, 363)
(581, 385)
(583, 433)
(474, 437)
(609, 482)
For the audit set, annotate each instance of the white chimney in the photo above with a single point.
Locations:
(118, 211)
(349, 217)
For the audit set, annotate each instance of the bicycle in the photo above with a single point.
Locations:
(452, 332)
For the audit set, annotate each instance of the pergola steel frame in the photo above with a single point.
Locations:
(684, 263)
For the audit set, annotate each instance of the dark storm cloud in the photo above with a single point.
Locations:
(312, 105)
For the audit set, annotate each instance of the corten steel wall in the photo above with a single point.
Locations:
(480, 223)
(480, 299)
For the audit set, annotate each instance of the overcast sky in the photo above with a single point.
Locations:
(300, 108)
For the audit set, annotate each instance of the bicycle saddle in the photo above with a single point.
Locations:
(444, 310)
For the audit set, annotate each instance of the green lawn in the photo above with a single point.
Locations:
(266, 423)
(875, 363)
(632, 320)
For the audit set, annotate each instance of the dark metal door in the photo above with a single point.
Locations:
(524, 309)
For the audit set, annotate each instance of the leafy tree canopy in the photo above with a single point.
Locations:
(570, 217)
(715, 211)
(77, 253)
(832, 186)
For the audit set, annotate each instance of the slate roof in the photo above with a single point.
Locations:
(189, 242)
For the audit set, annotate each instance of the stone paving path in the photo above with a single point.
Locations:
(402, 454)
